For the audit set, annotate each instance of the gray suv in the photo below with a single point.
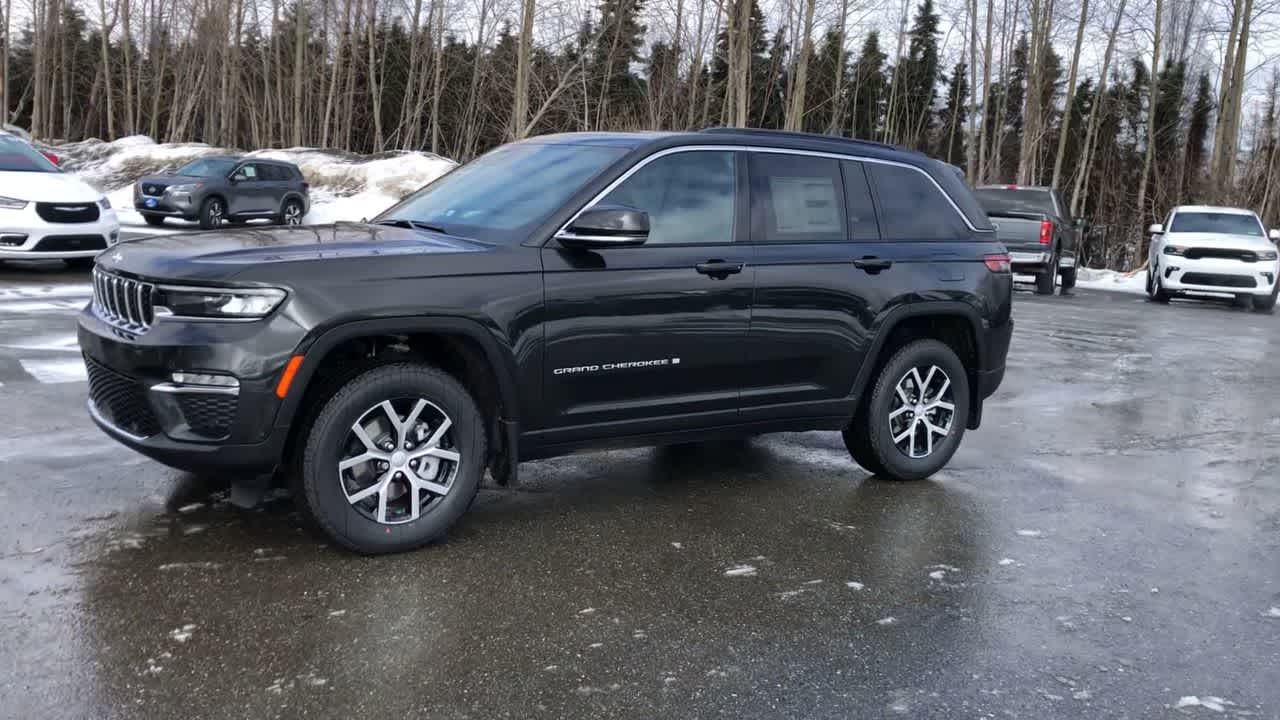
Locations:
(219, 188)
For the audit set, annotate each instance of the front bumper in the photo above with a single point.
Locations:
(134, 399)
(169, 204)
(24, 235)
(1220, 275)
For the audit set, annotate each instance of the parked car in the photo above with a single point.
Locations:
(1201, 248)
(225, 188)
(46, 213)
(1035, 225)
(560, 293)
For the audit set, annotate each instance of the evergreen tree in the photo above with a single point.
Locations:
(820, 90)
(1169, 102)
(867, 88)
(950, 144)
(919, 75)
(618, 92)
(1197, 134)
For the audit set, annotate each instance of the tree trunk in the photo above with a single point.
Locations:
(437, 78)
(837, 93)
(1065, 126)
(106, 66)
(1095, 112)
(1143, 238)
(299, 57)
(520, 109)
(986, 95)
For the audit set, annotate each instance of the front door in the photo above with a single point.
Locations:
(250, 191)
(651, 338)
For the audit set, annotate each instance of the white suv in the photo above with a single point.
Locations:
(46, 213)
(1214, 250)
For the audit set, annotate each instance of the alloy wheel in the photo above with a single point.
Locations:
(922, 412)
(292, 214)
(215, 212)
(398, 460)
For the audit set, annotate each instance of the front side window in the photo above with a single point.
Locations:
(689, 197)
(796, 198)
(247, 172)
(1211, 222)
(500, 195)
(912, 207)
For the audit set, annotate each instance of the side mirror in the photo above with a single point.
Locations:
(1274, 235)
(1156, 229)
(606, 226)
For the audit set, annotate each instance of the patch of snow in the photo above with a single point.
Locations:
(337, 613)
(740, 571)
(1208, 702)
(677, 545)
(1112, 280)
(182, 634)
(205, 565)
(787, 594)
(596, 645)
(813, 582)
(1030, 533)
(854, 585)
(1274, 612)
(937, 574)
(1006, 561)
(192, 507)
(57, 370)
(1126, 618)
(586, 611)
(1081, 695)
(887, 620)
(549, 668)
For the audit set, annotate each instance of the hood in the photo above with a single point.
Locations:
(1220, 240)
(172, 179)
(257, 253)
(47, 187)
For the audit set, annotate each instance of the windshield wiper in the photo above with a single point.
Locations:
(412, 225)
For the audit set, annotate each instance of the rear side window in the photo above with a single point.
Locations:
(912, 207)
(796, 198)
(860, 208)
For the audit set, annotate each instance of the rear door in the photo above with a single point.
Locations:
(652, 338)
(831, 261)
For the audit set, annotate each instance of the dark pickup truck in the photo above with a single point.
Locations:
(1033, 223)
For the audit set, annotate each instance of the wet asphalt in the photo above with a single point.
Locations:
(1104, 547)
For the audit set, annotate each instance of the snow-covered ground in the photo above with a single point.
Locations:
(344, 186)
(1112, 280)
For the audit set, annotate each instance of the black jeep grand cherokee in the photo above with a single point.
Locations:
(559, 293)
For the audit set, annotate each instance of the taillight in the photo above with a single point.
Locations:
(998, 263)
(49, 156)
(1046, 232)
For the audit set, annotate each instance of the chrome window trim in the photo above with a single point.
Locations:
(760, 149)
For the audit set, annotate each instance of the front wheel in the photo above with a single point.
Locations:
(914, 419)
(1155, 288)
(1266, 303)
(212, 213)
(392, 460)
(153, 220)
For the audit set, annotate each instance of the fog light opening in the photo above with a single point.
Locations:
(224, 381)
(12, 240)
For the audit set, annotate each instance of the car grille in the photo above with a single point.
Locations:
(67, 212)
(120, 400)
(1217, 280)
(153, 188)
(1221, 253)
(70, 243)
(123, 302)
(210, 415)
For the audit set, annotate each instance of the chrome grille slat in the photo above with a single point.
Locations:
(123, 302)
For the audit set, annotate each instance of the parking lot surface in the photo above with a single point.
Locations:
(1104, 546)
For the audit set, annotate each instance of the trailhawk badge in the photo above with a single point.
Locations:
(605, 367)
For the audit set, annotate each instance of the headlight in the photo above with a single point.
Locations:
(1174, 250)
(8, 203)
(104, 203)
(1267, 255)
(186, 189)
(230, 303)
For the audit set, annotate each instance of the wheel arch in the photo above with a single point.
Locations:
(956, 324)
(293, 195)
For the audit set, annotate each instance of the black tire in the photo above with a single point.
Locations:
(1068, 279)
(1266, 303)
(1155, 288)
(1045, 281)
(212, 212)
(81, 263)
(871, 435)
(153, 220)
(1244, 302)
(290, 213)
(321, 498)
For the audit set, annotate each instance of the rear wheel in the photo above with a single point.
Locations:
(915, 417)
(392, 460)
(212, 213)
(1068, 278)
(291, 214)
(1045, 280)
(153, 220)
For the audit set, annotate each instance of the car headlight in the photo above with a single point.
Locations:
(1267, 255)
(1174, 250)
(104, 203)
(228, 303)
(187, 188)
(8, 203)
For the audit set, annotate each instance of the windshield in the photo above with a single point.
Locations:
(504, 191)
(18, 156)
(998, 200)
(1208, 222)
(207, 167)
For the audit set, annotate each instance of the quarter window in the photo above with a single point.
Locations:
(796, 198)
(861, 208)
(689, 197)
(912, 207)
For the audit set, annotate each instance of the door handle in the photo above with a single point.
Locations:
(718, 269)
(872, 265)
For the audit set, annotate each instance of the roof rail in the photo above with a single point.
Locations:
(767, 132)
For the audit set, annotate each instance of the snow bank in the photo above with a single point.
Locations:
(1112, 280)
(344, 186)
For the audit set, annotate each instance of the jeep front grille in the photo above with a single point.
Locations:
(123, 302)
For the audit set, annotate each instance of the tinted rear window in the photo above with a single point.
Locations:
(912, 207)
(995, 200)
(796, 198)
